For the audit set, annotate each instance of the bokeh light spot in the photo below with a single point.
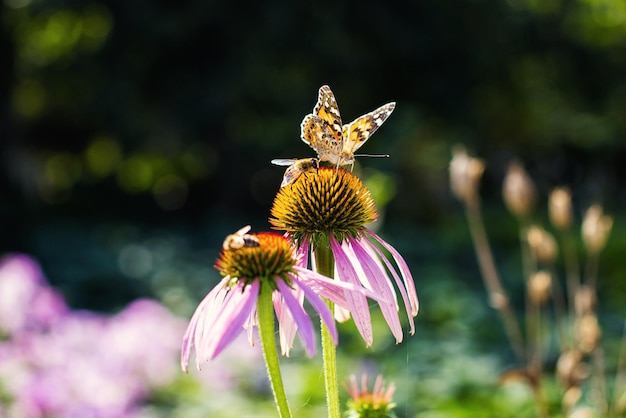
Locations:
(135, 261)
(102, 156)
(29, 98)
(62, 170)
(170, 192)
(135, 174)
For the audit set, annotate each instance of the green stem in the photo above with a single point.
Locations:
(325, 264)
(265, 313)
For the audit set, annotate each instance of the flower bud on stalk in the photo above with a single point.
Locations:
(542, 244)
(560, 208)
(596, 229)
(518, 191)
(465, 174)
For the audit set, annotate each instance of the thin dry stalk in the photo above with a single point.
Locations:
(497, 295)
(619, 389)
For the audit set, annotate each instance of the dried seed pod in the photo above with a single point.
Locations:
(571, 397)
(560, 208)
(465, 174)
(596, 228)
(542, 244)
(518, 191)
(539, 287)
(587, 332)
(570, 369)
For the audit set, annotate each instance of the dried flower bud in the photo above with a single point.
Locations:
(539, 286)
(542, 244)
(582, 412)
(465, 174)
(570, 370)
(571, 397)
(518, 191)
(596, 228)
(560, 208)
(587, 332)
(584, 300)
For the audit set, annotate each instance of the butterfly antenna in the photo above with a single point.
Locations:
(372, 155)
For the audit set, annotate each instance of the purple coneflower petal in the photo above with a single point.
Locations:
(320, 307)
(238, 305)
(299, 316)
(380, 284)
(195, 330)
(302, 254)
(250, 325)
(410, 299)
(333, 290)
(357, 303)
(287, 326)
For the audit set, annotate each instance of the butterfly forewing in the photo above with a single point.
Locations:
(328, 110)
(359, 130)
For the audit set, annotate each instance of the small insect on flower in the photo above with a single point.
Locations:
(296, 168)
(240, 239)
(323, 130)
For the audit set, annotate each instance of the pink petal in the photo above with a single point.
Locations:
(410, 299)
(320, 307)
(299, 316)
(357, 303)
(334, 290)
(237, 307)
(302, 255)
(195, 330)
(381, 284)
(287, 326)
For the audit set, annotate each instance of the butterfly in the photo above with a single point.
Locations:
(323, 130)
(240, 239)
(296, 168)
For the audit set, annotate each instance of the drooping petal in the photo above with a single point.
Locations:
(357, 303)
(334, 290)
(302, 255)
(300, 316)
(320, 307)
(237, 307)
(380, 284)
(410, 295)
(287, 326)
(195, 332)
(251, 325)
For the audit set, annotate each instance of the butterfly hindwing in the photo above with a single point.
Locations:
(317, 133)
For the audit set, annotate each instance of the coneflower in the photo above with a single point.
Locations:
(326, 212)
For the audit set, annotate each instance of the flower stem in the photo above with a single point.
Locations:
(325, 264)
(498, 298)
(265, 312)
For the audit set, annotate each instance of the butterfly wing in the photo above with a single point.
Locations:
(317, 134)
(327, 109)
(359, 130)
(283, 161)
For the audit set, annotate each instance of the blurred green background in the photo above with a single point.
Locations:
(137, 134)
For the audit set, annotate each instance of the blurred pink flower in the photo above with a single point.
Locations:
(26, 300)
(63, 364)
